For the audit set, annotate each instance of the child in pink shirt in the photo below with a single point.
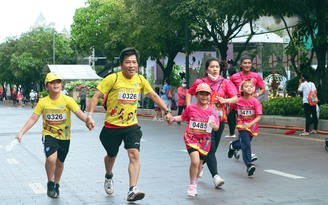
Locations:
(201, 120)
(249, 112)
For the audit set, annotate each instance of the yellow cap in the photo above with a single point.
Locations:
(51, 77)
(203, 87)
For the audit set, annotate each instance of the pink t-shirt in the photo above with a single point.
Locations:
(237, 78)
(182, 96)
(223, 86)
(195, 135)
(247, 111)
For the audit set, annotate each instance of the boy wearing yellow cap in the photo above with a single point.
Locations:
(56, 116)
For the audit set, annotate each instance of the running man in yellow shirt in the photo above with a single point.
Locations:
(121, 123)
(56, 116)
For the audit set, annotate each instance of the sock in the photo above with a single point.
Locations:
(109, 176)
(193, 181)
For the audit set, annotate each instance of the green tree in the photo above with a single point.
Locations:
(23, 59)
(312, 25)
(216, 22)
(156, 31)
(113, 25)
(98, 26)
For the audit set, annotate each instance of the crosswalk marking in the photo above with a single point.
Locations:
(12, 161)
(37, 188)
(283, 174)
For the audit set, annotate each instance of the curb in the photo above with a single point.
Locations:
(261, 125)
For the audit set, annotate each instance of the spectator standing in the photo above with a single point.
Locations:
(64, 92)
(32, 98)
(122, 126)
(83, 98)
(165, 94)
(158, 112)
(182, 92)
(305, 86)
(14, 96)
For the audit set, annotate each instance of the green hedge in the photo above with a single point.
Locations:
(289, 106)
(324, 111)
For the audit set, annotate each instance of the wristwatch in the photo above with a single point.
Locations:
(167, 112)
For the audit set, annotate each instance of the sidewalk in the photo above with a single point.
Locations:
(267, 121)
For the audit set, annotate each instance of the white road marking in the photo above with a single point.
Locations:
(12, 161)
(37, 188)
(284, 174)
(142, 140)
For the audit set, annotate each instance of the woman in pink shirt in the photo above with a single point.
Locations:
(223, 92)
(201, 120)
(182, 92)
(249, 112)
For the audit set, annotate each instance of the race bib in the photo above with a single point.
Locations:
(198, 127)
(55, 117)
(246, 114)
(128, 96)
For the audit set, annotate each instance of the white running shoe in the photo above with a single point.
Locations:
(109, 186)
(236, 154)
(192, 191)
(135, 194)
(253, 157)
(230, 136)
(201, 172)
(251, 170)
(218, 181)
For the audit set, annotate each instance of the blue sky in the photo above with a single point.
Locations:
(17, 16)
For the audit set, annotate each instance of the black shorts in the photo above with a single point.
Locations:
(190, 150)
(52, 145)
(111, 139)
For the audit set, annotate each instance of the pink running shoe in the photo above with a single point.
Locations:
(192, 191)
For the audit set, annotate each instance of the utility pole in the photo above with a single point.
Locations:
(53, 47)
(187, 50)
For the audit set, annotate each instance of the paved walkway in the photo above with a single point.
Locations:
(291, 169)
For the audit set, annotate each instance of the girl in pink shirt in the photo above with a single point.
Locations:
(201, 120)
(249, 112)
(222, 92)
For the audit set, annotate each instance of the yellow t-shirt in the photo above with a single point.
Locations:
(56, 116)
(123, 98)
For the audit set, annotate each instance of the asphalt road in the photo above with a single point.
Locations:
(291, 169)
